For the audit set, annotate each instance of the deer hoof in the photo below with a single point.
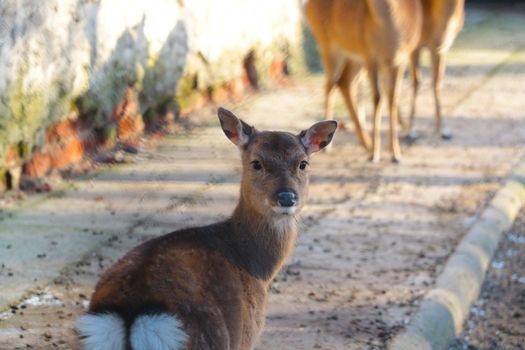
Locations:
(446, 135)
(411, 137)
(374, 158)
(396, 160)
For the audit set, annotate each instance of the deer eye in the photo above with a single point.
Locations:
(303, 165)
(256, 165)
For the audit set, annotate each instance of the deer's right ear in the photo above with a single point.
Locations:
(235, 129)
(318, 136)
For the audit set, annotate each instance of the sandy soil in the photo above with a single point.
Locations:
(497, 319)
(374, 236)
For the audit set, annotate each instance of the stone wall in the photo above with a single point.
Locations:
(77, 74)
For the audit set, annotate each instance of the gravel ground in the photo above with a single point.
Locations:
(497, 319)
(374, 237)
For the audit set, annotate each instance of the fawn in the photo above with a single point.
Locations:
(206, 287)
(442, 22)
(377, 34)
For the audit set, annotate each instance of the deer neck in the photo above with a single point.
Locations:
(264, 242)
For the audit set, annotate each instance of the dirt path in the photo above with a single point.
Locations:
(374, 235)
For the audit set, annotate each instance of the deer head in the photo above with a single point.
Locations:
(275, 164)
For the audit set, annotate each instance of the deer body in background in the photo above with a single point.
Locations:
(379, 35)
(442, 22)
(206, 287)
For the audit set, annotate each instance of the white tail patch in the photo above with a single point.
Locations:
(157, 332)
(102, 332)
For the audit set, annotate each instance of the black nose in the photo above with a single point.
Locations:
(286, 198)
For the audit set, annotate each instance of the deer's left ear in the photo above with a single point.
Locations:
(318, 136)
(234, 128)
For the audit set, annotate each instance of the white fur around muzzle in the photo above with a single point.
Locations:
(285, 210)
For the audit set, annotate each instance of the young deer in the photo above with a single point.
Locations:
(376, 34)
(442, 21)
(206, 287)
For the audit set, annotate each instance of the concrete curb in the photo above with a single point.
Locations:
(445, 307)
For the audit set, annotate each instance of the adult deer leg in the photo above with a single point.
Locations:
(333, 64)
(348, 85)
(373, 77)
(395, 75)
(415, 76)
(438, 71)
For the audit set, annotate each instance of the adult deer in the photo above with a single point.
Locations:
(442, 21)
(377, 34)
(206, 287)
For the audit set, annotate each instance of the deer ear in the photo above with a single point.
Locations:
(235, 129)
(318, 136)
